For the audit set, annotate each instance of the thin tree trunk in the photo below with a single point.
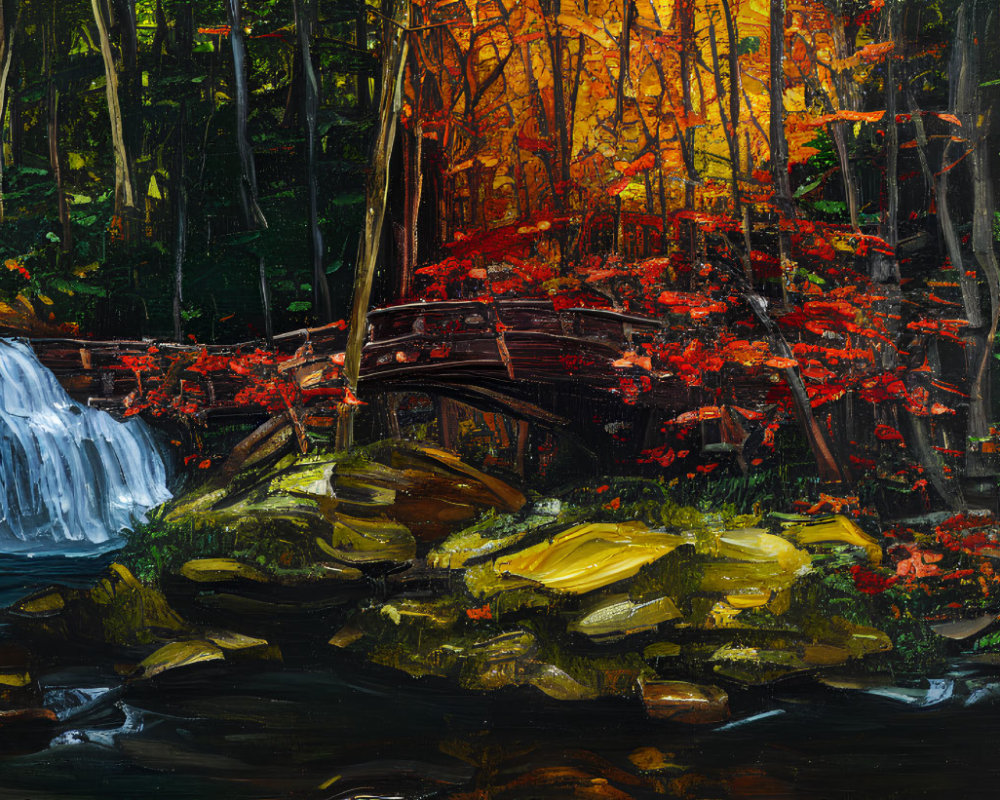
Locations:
(52, 131)
(16, 130)
(265, 299)
(375, 207)
(778, 142)
(361, 37)
(731, 133)
(123, 178)
(624, 89)
(960, 92)
(321, 289)
(686, 135)
(253, 217)
(826, 463)
(887, 270)
(415, 176)
(131, 79)
(848, 99)
(183, 31)
(735, 87)
(7, 41)
(983, 215)
(161, 38)
(180, 210)
(559, 105)
(252, 214)
(829, 470)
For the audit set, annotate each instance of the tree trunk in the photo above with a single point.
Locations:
(559, 102)
(265, 300)
(321, 289)
(253, 217)
(123, 174)
(685, 14)
(131, 77)
(52, 131)
(7, 41)
(731, 134)
(778, 142)
(984, 252)
(735, 86)
(829, 470)
(361, 36)
(375, 208)
(180, 211)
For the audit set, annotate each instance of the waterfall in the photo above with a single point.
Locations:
(71, 477)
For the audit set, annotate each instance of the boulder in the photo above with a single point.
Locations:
(685, 702)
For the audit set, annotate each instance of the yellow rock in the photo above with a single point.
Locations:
(757, 546)
(483, 581)
(179, 654)
(590, 556)
(662, 650)
(41, 605)
(559, 685)
(229, 640)
(751, 562)
(837, 529)
(359, 541)
(824, 655)
(618, 615)
(346, 636)
(755, 600)
(16, 679)
(214, 570)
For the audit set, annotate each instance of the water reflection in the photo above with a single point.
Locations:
(357, 732)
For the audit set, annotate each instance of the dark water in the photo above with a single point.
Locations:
(20, 574)
(350, 730)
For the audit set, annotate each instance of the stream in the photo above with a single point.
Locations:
(354, 731)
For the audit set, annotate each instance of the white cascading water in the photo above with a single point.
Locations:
(71, 477)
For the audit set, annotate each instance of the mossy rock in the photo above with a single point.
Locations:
(354, 540)
(118, 610)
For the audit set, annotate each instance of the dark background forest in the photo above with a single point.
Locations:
(112, 201)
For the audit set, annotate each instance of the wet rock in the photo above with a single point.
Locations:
(559, 685)
(652, 759)
(179, 654)
(837, 529)
(213, 646)
(365, 541)
(753, 562)
(618, 616)
(214, 570)
(18, 688)
(21, 715)
(756, 665)
(590, 556)
(429, 490)
(685, 702)
(964, 628)
(346, 636)
(118, 610)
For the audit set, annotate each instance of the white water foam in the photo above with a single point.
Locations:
(71, 477)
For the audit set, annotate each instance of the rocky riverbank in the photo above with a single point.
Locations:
(405, 556)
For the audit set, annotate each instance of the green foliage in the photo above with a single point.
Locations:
(114, 274)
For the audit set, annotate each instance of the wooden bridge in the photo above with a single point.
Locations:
(517, 354)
